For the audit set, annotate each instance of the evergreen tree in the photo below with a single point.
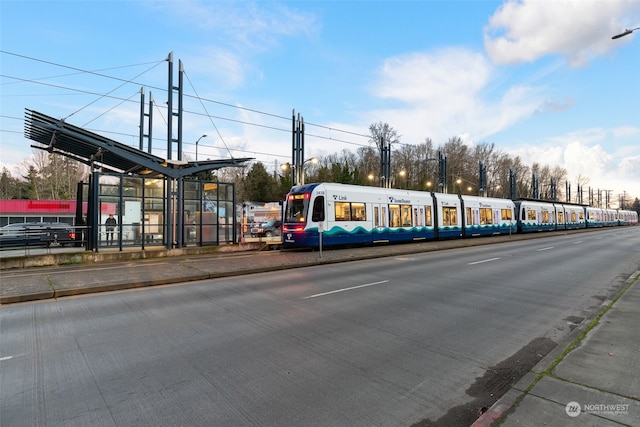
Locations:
(10, 188)
(260, 186)
(32, 183)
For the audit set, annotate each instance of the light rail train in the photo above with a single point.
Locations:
(341, 214)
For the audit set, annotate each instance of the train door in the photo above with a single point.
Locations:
(560, 217)
(380, 223)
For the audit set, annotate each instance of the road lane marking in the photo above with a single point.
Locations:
(483, 261)
(2, 359)
(576, 242)
(346, 289)
(544, 249)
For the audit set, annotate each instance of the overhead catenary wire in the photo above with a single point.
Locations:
(110, 109)
(160, 107)
(79, 70)
(113, 90)
(208, 115)
(196, 96)
(163, 89)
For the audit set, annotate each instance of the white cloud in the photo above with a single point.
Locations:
(245, 25)
(427, 78)
(523, 31)
(582, 156)
(443, 94)
(225, 67)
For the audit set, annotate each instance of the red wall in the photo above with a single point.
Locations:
(48, 207)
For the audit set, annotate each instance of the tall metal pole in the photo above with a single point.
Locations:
(293, 147)
(301, 162)
(150, 134)
(170, 108)
(180, 106)
(382, 154)
(141, 119)
(512, 184)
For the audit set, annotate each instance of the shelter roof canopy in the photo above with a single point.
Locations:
(57, 136)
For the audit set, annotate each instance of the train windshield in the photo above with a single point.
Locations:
(297, 208)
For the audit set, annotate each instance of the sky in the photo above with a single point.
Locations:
(541, 79)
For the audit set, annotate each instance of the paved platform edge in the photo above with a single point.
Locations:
(59, 293)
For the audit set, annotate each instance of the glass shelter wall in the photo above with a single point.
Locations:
(139, 207)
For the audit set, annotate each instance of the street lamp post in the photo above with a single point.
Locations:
(298, 171)
(625, 33)
(203, 136)
(313, 160)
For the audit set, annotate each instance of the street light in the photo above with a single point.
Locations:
(203, 136)
(403, 174)
(625, 33)
(299, 174)
(469, 188)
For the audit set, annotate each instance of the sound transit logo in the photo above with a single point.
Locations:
(573, 409)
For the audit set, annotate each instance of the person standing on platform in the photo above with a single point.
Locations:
(110, 224)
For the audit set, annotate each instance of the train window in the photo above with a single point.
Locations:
(545, 217)
(317, 214)
(394, 215)
(449, 216)
(485, 216)
(406, 215)
(296, 210)
(346, 211)
(358, 211)
(531, 215)
(506, 214)
(383, 217)
(343, 211)
(417, 219)
(427, 210)
(561, 217)
(376, 217)
(469, 220)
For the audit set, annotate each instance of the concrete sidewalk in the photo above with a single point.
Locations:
(593, 380)
(86, 272)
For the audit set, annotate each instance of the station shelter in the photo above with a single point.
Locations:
(154, 201)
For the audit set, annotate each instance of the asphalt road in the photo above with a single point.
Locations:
(391, 341)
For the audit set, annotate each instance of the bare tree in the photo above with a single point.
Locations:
(379, 131)
(53, 176)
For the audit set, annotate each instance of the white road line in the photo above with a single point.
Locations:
(483, 261)
(346, 289)
(544, 249)
(576, 242)
(5, 358)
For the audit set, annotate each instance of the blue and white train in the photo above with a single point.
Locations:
(343, 214)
